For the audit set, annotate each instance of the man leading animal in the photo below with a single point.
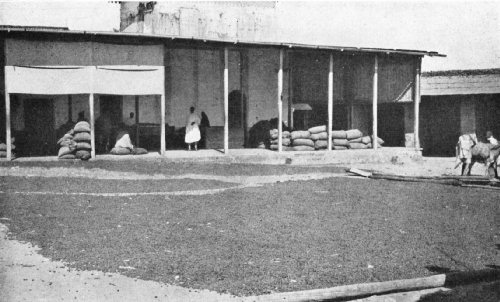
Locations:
(469, 151)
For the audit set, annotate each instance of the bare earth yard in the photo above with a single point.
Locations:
(248, 229)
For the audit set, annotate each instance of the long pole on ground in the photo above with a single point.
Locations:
(374, 105)
(330, 103)
(226, 100)
(280, 103)
(417, 104)
(92, 127)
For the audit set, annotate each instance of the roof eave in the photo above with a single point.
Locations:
(271, 44)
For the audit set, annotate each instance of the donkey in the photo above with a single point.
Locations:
(469, 151)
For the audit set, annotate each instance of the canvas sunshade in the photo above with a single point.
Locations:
(118, 80)
(129, 80)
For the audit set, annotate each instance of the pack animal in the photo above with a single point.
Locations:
(470, 151)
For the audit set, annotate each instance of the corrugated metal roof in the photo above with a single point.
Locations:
(479, 83)
(461, 72)
(233, 42)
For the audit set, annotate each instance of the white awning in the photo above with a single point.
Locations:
(116, 79)
(129, 80)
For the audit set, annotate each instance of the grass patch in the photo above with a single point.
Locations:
(280, 237)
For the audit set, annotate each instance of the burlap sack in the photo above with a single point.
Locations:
(139, 151)
(353, 134)
(357, 140)
(340, 142)
(319, 136)
(320, 144)
(300, 134)
(357, 146)
(284, 142)
(67, 137)
(3, 147)
(366, 140)
(339, 134)
(68, 156)
(82, 154)
(274, 147)
(302, 148)
(81, 127)
(64, 151)
(82, 137)
(3, 153)
(339, 148)
(120, 151)
(303, 142)
(273, 133)
(370, 145)
(83, 146)
(317, 129)
(379, 140)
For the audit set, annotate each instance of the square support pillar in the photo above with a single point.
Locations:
(92, 126)
(330, 103)
(416, 101)
(226, 100)
(375, 105)
(8, 139)
(280, 103)
(162, 130)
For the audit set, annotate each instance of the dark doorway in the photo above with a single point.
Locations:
(487, 115)
(391, 124)
(439, 125)
(39, 127)
(236, 110)
(2, 119)
(111, 108)
(111, 105)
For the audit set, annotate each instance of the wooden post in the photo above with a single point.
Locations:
(417, 103)
(374, 105)
(92, 126)
(330, 103)
(290, 91)
(280, 103)
(226, 100)
(70, 108)
(8, 140)
(137, 121)
(162, 131)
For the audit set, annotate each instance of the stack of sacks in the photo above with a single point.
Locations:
(339, 140)
(356, 140)
(81, 135)
(285, 139)
(301, 141)
(320, 137)
(67, 146)
(3, 148)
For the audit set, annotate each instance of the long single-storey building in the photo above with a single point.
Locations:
(456, 102)
(50, 76)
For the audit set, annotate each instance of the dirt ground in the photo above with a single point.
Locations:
(25, 275)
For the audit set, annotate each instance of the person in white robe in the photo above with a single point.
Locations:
(192, 129)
